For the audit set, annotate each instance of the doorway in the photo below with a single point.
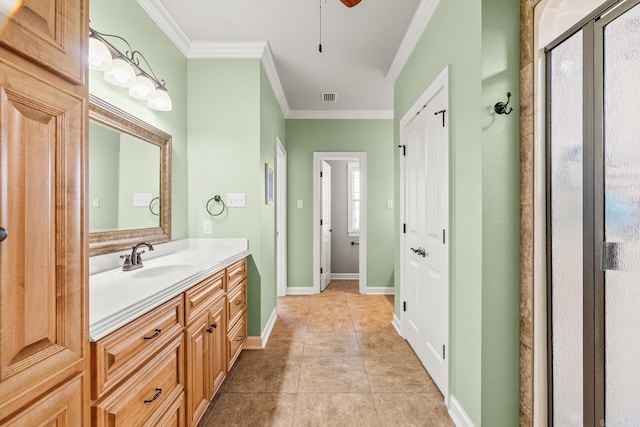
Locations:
(424, 247)
(281, 218)
(321, 212)
(593, 220)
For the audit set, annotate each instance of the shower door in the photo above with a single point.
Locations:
(593, 221)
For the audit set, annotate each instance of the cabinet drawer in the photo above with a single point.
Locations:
(147, 396)
(118, 354)
(175, 415)
(236, 338)
(199, 298)
(236, 273)
(236, 303)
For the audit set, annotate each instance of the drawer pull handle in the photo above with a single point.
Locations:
(240, 338)
(213, 326)
(157, 332)
(239, 302)
(158, 393)
(239, 272)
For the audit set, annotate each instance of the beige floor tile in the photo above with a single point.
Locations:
(251, 410)
(265, 375)
(412, 409)
(328, 306)
(333, 375)
(298, 304)
(370, 321)
(329, 323)
(336, 410)
(330, 344)
(390, 374)
(383, 341)
(280, 346)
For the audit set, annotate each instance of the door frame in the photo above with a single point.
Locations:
(441, 82)
(281, 218)
(317, 193)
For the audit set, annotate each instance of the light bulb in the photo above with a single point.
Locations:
(143, 88)
(120, 73)
(99, 55)
(162, 101)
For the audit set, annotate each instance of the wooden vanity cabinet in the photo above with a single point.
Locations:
(44, 343)
(236, 309)
(138, 370)
(205, 337)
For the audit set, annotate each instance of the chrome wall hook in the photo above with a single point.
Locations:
(501, 107)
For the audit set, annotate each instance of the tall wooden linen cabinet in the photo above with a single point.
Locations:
(43, 254)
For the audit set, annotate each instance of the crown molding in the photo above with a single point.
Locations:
(420, 20)
(226, 49)
(341, 114)
(163, 19)
(276, 85)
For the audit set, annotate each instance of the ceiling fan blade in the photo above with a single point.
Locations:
(350, 3)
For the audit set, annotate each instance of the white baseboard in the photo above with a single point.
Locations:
(300, 290)
(379, 290)
(258, 343)
(397, 325)
(458, 415)
(345, 276)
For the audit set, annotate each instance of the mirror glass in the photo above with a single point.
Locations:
(129, 180)
(124, 180)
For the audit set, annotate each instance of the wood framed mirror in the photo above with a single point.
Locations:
(129, 180)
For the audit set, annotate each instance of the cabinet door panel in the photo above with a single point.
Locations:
(197, 343)
(217, 347)
(59, 407)
(51, 33)
(42, 280)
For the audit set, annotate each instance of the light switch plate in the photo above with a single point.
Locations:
(142, 199)
(206, 226)
(389, 204)
(236, 200)
(299, 204)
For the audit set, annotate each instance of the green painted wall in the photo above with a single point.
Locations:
(233, 121)
(375, 137)
(500, 214)
(272, 126)
(127, 19)
(104, 147)
(478, 41)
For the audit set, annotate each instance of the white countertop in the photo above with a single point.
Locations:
(117, 297)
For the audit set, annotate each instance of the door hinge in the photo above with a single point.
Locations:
(320, 270)
(320, 222)
(404, 228)
(443, 353)
(404, 306)
(443, 237)
(320, 174)
(441, 112)
(404, 149)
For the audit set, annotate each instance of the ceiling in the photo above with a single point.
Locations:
(359, 45)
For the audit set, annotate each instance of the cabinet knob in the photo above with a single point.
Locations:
(3, 234)
(239, 302)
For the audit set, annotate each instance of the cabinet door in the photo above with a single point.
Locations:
(42, 272)
(50, 33)
(197, 343)
(59, 407)
(218, 347)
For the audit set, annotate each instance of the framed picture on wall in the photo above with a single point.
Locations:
(268, 173)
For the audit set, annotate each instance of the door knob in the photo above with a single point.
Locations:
(3, 234)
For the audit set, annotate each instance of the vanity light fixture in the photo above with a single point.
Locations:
(124, 70)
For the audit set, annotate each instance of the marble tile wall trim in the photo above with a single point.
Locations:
(526, 210)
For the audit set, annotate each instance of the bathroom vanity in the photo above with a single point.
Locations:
(165, 335)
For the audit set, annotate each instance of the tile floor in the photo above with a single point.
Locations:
(332, 360)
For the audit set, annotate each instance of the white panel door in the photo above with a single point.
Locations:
(426, 257)
(325, 226)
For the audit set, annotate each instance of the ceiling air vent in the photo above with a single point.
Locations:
(329, 97)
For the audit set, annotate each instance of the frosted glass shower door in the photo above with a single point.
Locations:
(621, 105)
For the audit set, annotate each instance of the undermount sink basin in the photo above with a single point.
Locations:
(163, 270)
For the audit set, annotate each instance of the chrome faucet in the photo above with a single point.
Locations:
(133, 261)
